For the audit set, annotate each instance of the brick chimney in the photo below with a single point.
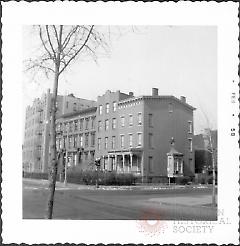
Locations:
(154, 91)
(183, 99)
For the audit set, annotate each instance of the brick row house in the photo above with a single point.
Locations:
(130, 134)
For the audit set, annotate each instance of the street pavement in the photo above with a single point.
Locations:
(123, 203)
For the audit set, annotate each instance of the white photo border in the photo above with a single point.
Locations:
(16, 14)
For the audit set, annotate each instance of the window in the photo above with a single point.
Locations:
(190, 127)
(70, 142)
(150, 140)
(139, 118)
(113, 142)
(130, 120)
(106, 143)
(178, 166)
(106, 125)
(150, 120)
(139, 139)
(66, 104)
(99, 144)
(93, 139)
(170, 107)
(64, 142)
(114, 123)
(70, 126)
(81, 124)
(87, 123)
(81, 140)
(100, 109)
(75, 125)
(61, 143)
(93, 122)
(74, 106)
(114, 106)
(99, 126)
(130, 140)
(58, 128)
(107, 108)
(75, 141)
(122, 141)
(86, 140)
(122, 121)
(150, 164)
(190, 144)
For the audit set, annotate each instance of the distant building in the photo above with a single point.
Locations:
(202, 149)
(130, 134)
(37, 128)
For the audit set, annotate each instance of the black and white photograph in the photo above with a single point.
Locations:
(121, 125)
(130, 150)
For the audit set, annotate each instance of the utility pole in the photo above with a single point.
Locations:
(214, 174)
(97, 163)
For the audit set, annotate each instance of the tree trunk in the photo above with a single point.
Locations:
(53, 151)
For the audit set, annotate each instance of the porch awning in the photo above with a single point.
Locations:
(134, 151)
(174, 152)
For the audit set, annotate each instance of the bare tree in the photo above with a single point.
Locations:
(208, 135)
(60, 47)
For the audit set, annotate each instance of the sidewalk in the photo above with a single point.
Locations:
(204, 200)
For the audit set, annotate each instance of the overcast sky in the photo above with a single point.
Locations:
(179, 60)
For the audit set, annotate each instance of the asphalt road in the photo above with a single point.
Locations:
(137, 204)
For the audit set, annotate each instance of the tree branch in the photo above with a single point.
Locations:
(55, 31)
(68, 37)
(78, 51)
(43, 43)
(38, 65)
(49, 40)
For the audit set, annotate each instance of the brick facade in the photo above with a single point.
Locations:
(130, 134)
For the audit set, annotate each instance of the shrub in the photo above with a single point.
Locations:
(89, 177)
(182, 180)
(35, 175)
(203, 181)
(210, 180)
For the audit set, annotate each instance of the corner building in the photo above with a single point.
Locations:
(130, 134)
(133, 134)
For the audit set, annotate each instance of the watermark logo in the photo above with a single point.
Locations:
(198, 227)
(151, 223)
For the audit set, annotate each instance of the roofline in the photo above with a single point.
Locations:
(131, 99)
(87, 110)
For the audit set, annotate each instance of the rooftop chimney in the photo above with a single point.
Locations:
(71, 95)
(154, 91)
(130, 93)
(183, 99)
